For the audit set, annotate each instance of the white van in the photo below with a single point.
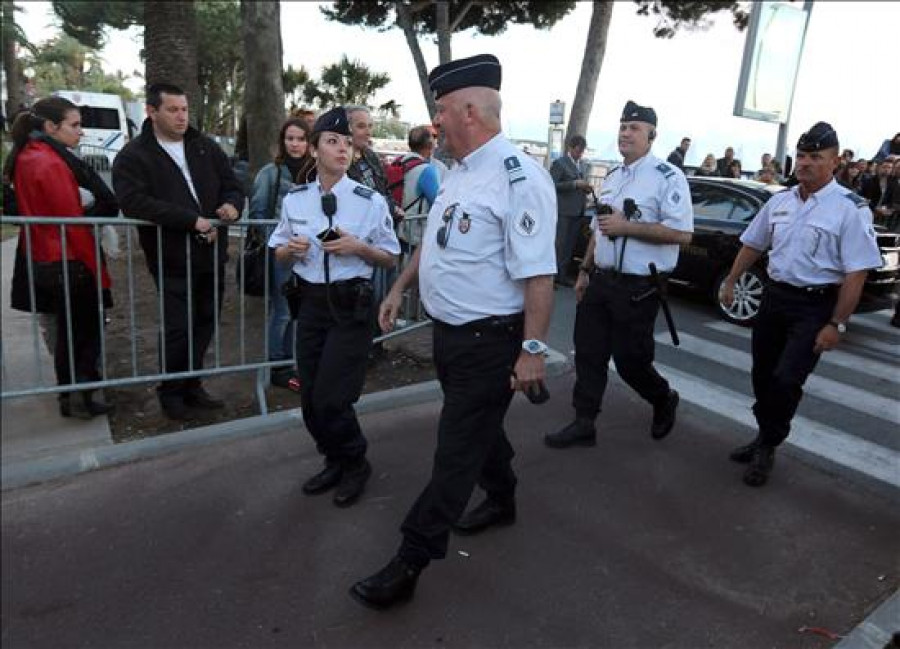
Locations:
(104, 124)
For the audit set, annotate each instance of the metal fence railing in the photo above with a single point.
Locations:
(119, 361)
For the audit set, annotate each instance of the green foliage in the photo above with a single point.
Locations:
(346, 82)
(63, 63)
(293, 81)
(488, 18)
(87, 20)
(220, 55)
(390, 129)
(673, 15)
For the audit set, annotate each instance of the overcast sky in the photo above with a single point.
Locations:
(848, 75)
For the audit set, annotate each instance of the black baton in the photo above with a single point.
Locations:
(661, 292)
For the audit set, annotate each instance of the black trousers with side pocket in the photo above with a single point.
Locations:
(609, 324)
(474, 363)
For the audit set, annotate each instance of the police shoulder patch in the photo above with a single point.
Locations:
(526, 224)
(298, 188)
(365, 192)
(514, 169)
(665, 170)
(856, 199)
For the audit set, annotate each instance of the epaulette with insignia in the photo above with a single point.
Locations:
(858, 200)
(665, 170)
(365, 192)
(514, 169)
(298, 188)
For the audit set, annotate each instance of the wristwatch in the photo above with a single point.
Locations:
(840, 326)
(535, 347)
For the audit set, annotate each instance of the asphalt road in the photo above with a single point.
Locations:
(634, 543)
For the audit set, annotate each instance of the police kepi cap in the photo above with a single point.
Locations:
(335, 121)
(634, 113)
(820, 137)
(481, 70)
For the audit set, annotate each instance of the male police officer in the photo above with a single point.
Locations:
(486, 279)
(617, 296)
(822, 245)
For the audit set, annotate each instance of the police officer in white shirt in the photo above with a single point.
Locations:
(649, 215)
(334, 231)
(821, 246)
(485, 269)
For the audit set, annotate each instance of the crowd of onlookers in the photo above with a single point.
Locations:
(876, 179)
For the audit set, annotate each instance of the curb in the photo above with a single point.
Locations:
(67, 464)
(876, 631)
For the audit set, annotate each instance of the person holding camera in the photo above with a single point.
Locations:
(334, 232)
(645, 214)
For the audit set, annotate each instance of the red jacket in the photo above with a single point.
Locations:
(45, 186)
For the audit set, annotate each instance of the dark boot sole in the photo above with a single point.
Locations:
(581, 441)
(472, 531)
(405, 598)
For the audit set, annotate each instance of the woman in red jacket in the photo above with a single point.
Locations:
(50, 180)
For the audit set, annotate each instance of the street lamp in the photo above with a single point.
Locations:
(30, 91)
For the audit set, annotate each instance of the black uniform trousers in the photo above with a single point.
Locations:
(175, 333)
(474, 363)
(610, 324)
(784, 335)
(332, 352)
(83, 310)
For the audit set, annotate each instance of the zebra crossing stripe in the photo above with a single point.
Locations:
(858, 454)
(838, 356)
(846, 395)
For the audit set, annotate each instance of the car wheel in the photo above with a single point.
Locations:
(748, 290)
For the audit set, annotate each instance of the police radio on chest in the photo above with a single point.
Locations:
(329, 208)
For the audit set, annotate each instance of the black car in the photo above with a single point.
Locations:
(723, 208)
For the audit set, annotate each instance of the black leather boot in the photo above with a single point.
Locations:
(580, 432)
(757, 474)
(664, 416)
(393, 584)
(743, 454)
(353, 483)
(488, 514)
(323, 480)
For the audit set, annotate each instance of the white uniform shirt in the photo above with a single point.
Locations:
(816, 241)
(499, 207)
(661, 193)
(360, 212)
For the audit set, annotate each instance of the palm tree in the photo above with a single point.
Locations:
(346, 82)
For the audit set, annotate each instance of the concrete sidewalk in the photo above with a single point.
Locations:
(32, 429)
(634, 543)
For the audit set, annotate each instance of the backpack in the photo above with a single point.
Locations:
(396, 172)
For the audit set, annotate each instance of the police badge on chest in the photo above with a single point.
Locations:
(465, 223)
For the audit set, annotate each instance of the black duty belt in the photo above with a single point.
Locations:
(484, 324)
(312, 290)
(820, 290)
(613, 274)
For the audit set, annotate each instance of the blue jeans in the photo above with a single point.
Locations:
(281, 328)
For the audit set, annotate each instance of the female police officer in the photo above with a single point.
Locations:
(334, 231)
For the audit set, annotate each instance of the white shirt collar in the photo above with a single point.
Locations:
(481, 152)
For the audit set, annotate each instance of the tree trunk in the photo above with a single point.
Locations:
(264, 94)
(594, 50)
(15, 92)
(444, 34)
(404, 21)
(170, 45)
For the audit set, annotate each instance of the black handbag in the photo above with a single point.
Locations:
(253, 280)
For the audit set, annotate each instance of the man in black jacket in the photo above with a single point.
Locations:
(680, 153)
(178, 178)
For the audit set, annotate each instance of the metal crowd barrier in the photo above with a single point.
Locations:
(249, 354)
